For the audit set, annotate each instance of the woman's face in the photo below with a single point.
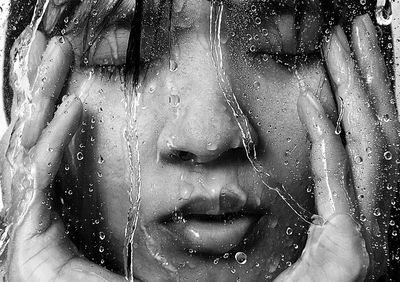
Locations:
(201, 202)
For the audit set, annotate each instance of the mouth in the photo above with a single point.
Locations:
(211, 234)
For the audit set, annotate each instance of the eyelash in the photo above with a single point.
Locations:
(109, 71)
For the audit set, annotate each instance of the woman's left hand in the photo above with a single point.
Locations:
(354, 181)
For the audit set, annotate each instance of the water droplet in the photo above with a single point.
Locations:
(377, 212)
(289, 231)
(61, 39)
(241, 258)
(226, 255)
(216, 261)
(102, 235)
(212, 146)
(256, 84)
(66, 167)
(79, 156)
(388, 155)
(386, 118)
(101, 249)
(100, 159)
(174, 100)
(358, 159)
(173, 65)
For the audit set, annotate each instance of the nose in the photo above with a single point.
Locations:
(204, 127)
(200, 134)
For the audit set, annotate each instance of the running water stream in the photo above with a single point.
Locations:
(16, 151)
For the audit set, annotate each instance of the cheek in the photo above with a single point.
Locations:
(268, 95)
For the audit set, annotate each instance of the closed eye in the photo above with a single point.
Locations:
(110, 48)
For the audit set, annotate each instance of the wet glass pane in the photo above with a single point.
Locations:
(194, 140)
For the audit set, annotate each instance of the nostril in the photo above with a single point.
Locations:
(182, 156)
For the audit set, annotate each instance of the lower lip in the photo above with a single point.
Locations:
(212, 237)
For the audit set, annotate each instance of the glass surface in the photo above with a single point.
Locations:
(193, 140)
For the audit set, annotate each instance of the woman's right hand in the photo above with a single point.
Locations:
(39, 249)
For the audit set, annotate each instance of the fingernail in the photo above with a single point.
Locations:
(341, 36)
(308, 107)
(52, 16)
(313, 102)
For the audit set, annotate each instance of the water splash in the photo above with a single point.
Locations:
(216, 12)
(16, 151)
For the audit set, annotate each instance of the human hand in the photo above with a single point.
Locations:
(39, 248)
(352, 181)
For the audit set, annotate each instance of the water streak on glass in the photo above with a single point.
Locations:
(131, 137)
(216, 12)
(338, 128)
(132, 98)
(16, 151)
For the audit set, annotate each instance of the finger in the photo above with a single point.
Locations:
(359, 120)
(329, 162)
(373, 69)
(45, 158)
(48, 84)
(36, 51)
(365, 142)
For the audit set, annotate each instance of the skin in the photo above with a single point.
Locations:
(338, 250)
